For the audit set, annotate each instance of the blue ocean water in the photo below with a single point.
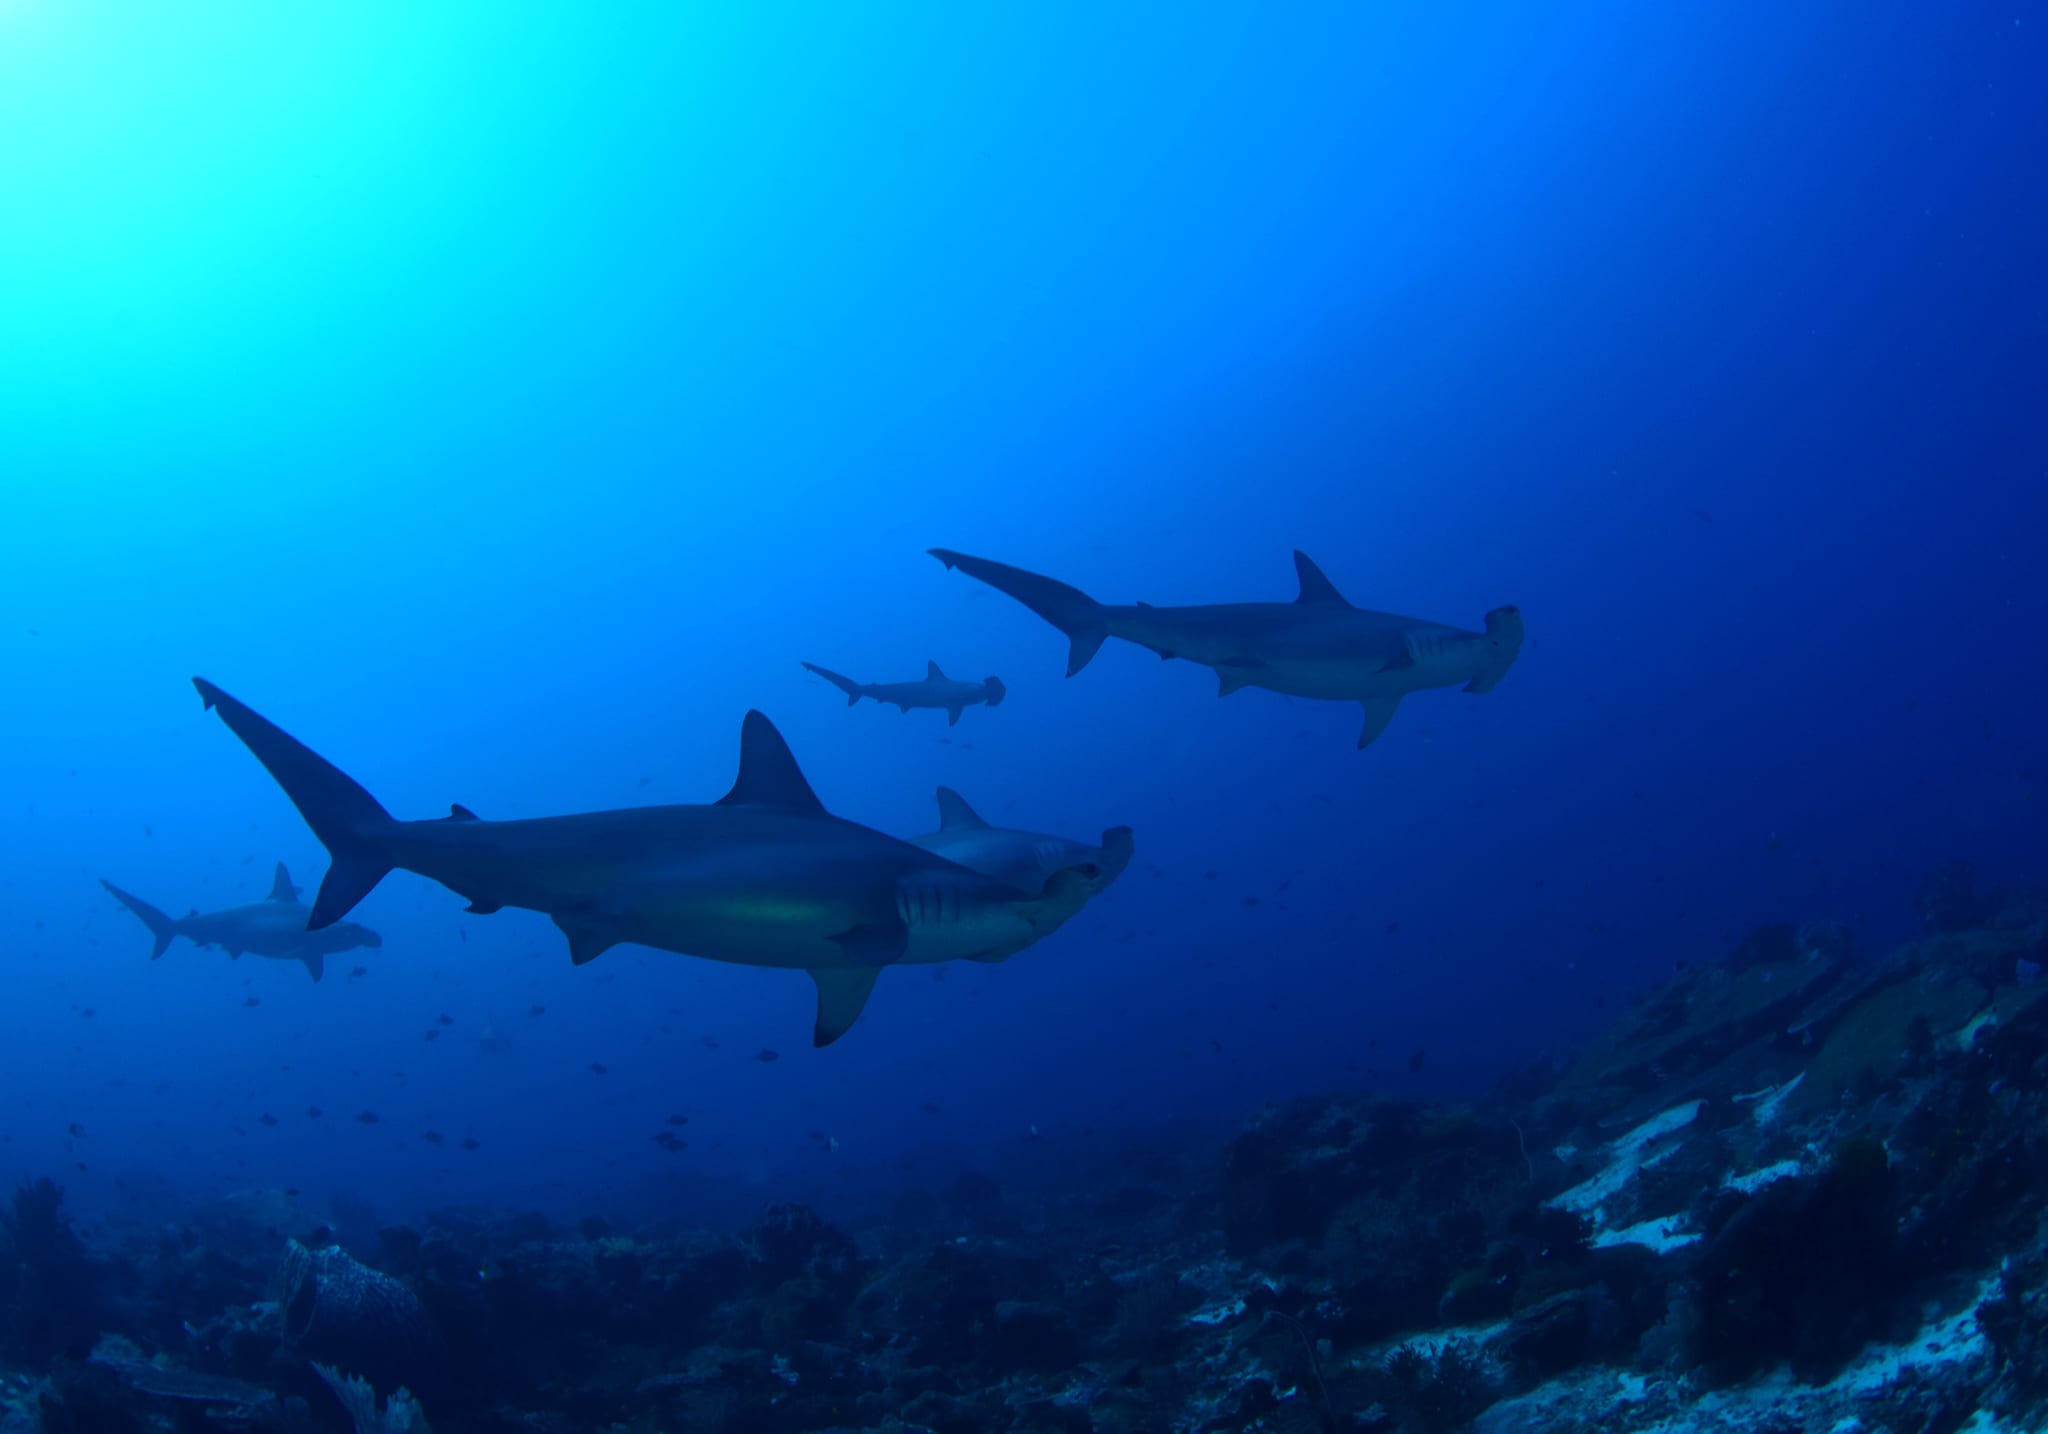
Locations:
(506, 401)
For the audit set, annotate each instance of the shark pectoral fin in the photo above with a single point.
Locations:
(953, 716)
(587, 940)
(875, 946)
(484, 908)
(1228, 682)
(316, 965)
(843, 993)
(1378, 713)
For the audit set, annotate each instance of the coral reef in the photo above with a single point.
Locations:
(1801, 1188)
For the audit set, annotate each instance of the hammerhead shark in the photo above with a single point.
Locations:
(764, 876)
(1025, 860)
(937, 690)
(275, 926)
(1317, 646)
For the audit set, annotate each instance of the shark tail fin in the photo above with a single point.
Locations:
(349, 822)
(847, 685)
(161, 928)
(1070, 610)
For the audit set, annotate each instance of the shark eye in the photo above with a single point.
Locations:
(1089, 869)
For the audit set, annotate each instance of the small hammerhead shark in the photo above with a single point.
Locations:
(275, 926)
(937, 690)
(1317, 646)
(1025, 860)
(764, 876)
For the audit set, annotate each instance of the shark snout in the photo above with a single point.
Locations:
(996, 691)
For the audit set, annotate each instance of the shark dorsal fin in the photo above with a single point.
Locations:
(281, 888)
(933, 672)
(1314, 586)
(457, 812)
(769, 775)
(954, 813)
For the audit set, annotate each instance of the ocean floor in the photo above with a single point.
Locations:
(1799, 1189)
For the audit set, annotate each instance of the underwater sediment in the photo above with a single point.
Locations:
(1797, 1188)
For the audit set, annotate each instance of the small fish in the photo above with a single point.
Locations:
(433, 1035)
(368, 1117)
(1417, 1061)
(75, 1128)
(266, 1119)
(1217, 1044)
(710, 1042)
(432, 1137)
(668, 1140)
(472, 1143)
(765, 1056)
(679, 1120)
(931, 1107)
(596, 1069)
(1251, 901)
(251, 1002)
(291, 1192)
(446, 1019)
(355, 971)
(312, 1112)
(536, 1010)
(87, 1012)
(1393, 928)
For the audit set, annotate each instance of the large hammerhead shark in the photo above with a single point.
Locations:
(275, 926)
(1318, 646)
(764, 876)
(937, 690)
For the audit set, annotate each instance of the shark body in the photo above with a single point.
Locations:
(765, 876)
(1025, 860)
(1317, 646)
(274, 927)
(936, 690)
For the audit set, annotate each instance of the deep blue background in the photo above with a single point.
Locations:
(505, 404)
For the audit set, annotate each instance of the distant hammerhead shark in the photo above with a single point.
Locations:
(1317, 646)
(275, 926)
(1025, 860)
(764, 876)
(937, 690)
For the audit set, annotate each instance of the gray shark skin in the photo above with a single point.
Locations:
(274, 927)
(1317, 646)
(764, 876)
(937, 690)
(1026, 860)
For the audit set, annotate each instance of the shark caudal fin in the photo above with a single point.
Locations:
(162, 929)
(348, 821)
(1070, 610)
(1503, 644)
(853, 690)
